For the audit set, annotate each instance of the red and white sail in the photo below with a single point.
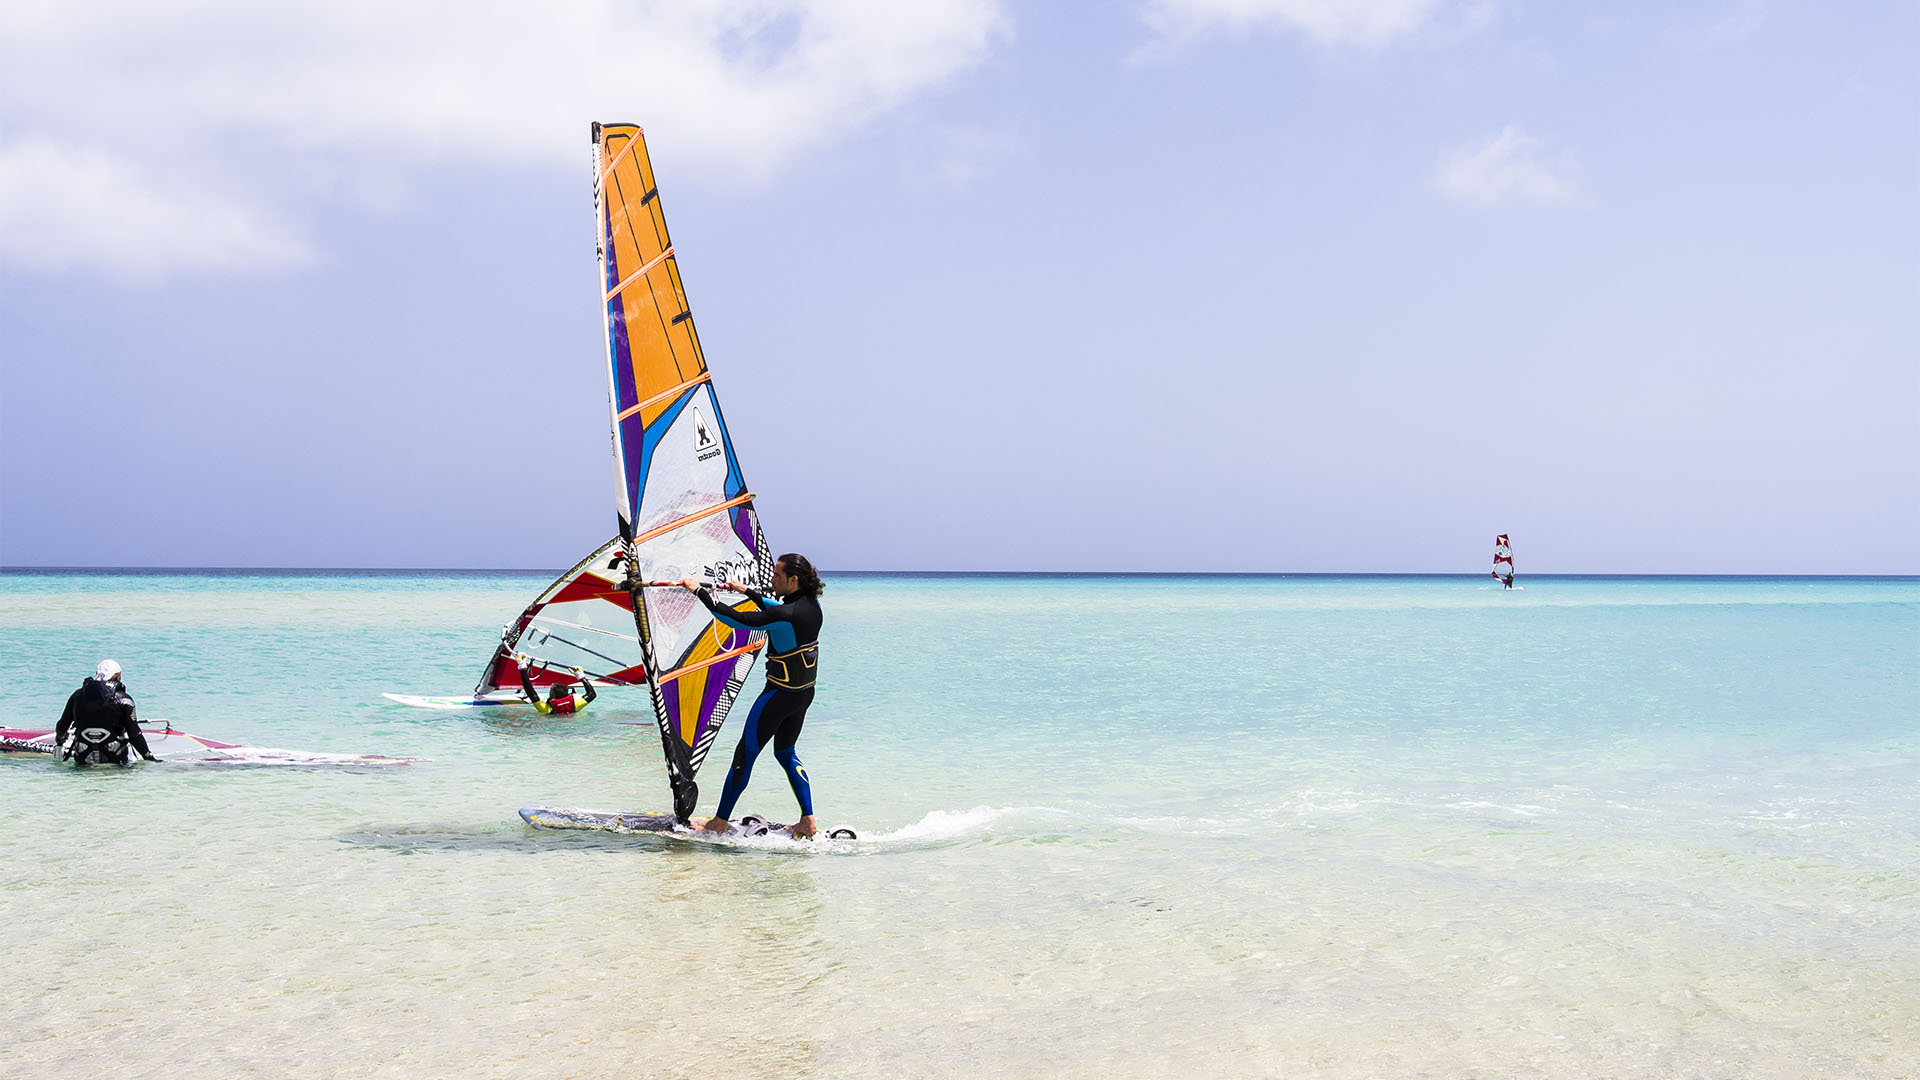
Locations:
(583, 620)
(1502, 557)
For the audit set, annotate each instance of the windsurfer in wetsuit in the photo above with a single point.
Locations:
(792, 623)
(100, 719)
(561, 700)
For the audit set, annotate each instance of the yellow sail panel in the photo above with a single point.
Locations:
(691, 687)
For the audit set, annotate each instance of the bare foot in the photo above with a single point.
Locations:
(717, 825)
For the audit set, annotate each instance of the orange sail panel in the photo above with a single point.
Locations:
(650, 327)
(684, 508)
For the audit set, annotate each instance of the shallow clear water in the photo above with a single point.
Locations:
(1117, 827)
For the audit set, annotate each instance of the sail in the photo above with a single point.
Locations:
(684, 510)
(583, 620)
(1502, 557)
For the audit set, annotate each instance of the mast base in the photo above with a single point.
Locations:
(686, 795)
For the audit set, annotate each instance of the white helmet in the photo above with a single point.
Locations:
(107, 670)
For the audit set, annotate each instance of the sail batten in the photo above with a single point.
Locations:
(660, 530)
(663, 395)
(640, 273)
(621, 156)
(548, 620)
(669, 676)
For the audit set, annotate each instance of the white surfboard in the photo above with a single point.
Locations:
(419, 702)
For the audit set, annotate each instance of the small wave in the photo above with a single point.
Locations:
(1522, 809)
(1184, 826)
(941, 825)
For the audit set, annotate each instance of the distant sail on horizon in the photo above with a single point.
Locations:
(1503, 558)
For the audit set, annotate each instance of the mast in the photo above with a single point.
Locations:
(623, 525)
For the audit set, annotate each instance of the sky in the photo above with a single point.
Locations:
(1168, 285)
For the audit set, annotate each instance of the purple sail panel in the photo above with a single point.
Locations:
(670, 705)
(633, 446)
(620, 354)
(743, 525)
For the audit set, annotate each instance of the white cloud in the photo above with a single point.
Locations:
(1512, 166)
(63, 207)
(1368, 23)
(217, 118)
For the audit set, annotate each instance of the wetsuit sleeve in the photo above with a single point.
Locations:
(533, 695)
(758, 597)
(138, 738)
(132, 720)
(66, 721)
(743, 620)
(587, 685)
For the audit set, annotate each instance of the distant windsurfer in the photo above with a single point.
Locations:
(561, 700)
(1503, 560)
(98, 726)
(791, 619)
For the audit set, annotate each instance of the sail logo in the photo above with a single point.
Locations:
(735, 569)
(705, 445)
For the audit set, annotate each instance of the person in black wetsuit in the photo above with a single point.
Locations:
(792, 623)
(100, 719)
(561, 700)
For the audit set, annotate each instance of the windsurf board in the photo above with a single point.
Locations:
(745, 827)
(420, 702)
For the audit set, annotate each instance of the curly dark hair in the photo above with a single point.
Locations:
(806, 582)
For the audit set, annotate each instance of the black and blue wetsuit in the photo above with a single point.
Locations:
(793, 656)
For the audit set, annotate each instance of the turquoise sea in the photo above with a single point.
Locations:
(1116, 827)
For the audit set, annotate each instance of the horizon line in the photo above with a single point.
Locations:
(387, 571)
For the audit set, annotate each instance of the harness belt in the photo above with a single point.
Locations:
(794, 670)
(96, 746)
